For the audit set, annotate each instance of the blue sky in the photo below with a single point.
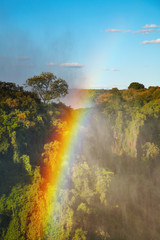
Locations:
(90, 44)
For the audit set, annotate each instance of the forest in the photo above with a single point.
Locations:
(110, 188)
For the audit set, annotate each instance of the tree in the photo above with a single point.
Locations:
(48, 86)
(136, 85)
(9, 86)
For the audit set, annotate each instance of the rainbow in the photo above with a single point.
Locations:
(61, 152)
(61, 156)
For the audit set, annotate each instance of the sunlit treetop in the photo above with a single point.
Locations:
(48, 86)
(136, 85)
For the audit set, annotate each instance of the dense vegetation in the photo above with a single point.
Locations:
(111, 189)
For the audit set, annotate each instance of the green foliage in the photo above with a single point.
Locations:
(150, 151)
(79, 235)
(136, 85)
(24, 125)
(76, 209)
(26, 161)
(112, 189)
(23, 206)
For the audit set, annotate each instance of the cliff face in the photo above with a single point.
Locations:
(133, 116)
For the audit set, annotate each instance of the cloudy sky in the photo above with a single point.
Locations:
(94, 43)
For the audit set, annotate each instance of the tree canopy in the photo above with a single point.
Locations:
(110, 189)
(136, 85)
(48, 86)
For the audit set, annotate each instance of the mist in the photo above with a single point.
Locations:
(129, 208)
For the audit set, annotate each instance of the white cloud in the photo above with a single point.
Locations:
(151, 42)
(113, 30)
(143, 31)
(111, 69)
(150, 26)
(72, 65)
(51, 64)
(148, 31)
(23, 58)
(114, 69)
(128, 30)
